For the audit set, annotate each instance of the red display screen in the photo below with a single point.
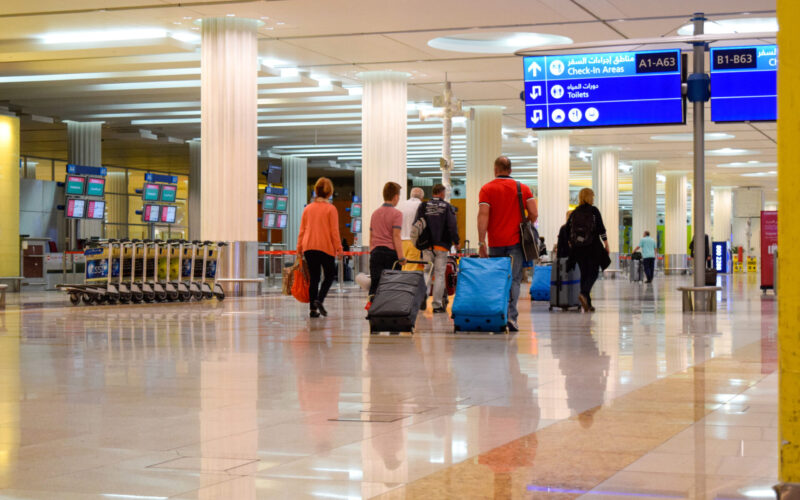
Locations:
(151, 213)
(75, 208)
(96, 210)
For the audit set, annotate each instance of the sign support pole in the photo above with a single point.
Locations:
(447, 136)
(698, 186)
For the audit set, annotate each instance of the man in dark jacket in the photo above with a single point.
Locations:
(440, 217)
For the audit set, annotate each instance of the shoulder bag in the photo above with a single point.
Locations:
(528, 235)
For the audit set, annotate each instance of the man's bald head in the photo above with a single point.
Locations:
(502, 166)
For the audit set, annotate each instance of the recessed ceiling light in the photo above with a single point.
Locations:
(231, 15)
(730, 152)
(103, 35)
(739, 25)
(496, 42)
(748, 164)
(771, 173)
(711, 136)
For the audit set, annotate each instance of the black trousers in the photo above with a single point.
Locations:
(379, 259)
(590, 270)
(649, 267)
(317, 263)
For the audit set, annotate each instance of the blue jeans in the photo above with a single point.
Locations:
(515, 252)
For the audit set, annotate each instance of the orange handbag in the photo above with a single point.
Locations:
(301, 284)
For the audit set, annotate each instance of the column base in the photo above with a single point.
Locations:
(239, 261)
(676, 264)
(787, 491)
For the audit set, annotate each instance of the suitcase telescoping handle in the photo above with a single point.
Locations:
(422, 262)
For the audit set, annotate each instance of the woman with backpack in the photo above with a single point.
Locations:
(588, 244)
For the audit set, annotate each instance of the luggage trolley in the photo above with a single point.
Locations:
(98, 284)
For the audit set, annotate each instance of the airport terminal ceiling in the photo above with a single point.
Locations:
(136, 66)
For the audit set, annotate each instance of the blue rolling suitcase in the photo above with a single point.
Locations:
(482, 295)
(540, 285)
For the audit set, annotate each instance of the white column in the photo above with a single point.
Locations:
(84, 141)
(605, 183)
(675, 205)
(484, 145)
(229, 145)
(723, 209)
(295, 178)
(383, 138)
(644, 201)
(553, 186)
(748, 202)
(195, 191)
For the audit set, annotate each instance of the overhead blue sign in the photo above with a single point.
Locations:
(744, 83)
(84, 170)
(600, 90)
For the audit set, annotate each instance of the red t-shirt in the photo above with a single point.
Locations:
(504, 217)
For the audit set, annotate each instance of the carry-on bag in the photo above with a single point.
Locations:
(565, 285)
(451, 274)
(636, 270)
(711, 276)
(540, 284)
(482, 295)
(397, 301)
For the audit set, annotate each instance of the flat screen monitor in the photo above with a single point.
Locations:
(355, 210)
(151, 213)
(168, 214)
(280, 203)
(355, 226)
(150, 192)
(268, 203)
(275, 174)
(169, 193)
(280, 222)
(75, 184)
(268, 220)
(75, 208)
(95, 186)
(95, 209)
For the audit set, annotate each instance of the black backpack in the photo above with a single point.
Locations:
(424, 239)
(582, 228)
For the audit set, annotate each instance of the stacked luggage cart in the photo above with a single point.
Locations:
(134, 271)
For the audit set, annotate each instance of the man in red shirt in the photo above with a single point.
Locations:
(499, 215)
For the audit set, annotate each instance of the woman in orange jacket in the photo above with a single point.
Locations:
(319, 243)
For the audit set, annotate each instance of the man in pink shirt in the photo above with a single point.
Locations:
(386, 244)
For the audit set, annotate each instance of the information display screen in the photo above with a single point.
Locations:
(151, 213)
(169, 193)
(95, 186)
(268, 220)
(281, 220)
(151, 192)
(75, 184)
(597, 90)
(168, 214)
(75, 208)
(355, 226)
(274, 174)
(268, 202)
(355, 210)
(95, 209)
(280, 203)
(744, 83)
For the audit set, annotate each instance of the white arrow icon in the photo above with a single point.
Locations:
(537, 116)
(534, 68)
(536, 91)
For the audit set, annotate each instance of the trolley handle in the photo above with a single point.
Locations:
(422, 262)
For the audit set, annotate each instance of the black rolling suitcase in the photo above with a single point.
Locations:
(565, 285)
(397, 301)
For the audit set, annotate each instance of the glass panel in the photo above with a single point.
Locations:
(135, 180)
(183, 186)
(116, 181)
(134, 204)
(41, 169)
(138, 231)
(116, 231)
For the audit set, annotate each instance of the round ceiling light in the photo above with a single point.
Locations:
(496, 42)
(738, 25)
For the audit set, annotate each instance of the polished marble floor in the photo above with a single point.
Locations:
(250, 399)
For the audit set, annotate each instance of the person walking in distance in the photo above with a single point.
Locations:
(647, 246)
(440, 218)
(386, 245)
(588, 244)
(409, 209)
(319, 243)
(499, 217)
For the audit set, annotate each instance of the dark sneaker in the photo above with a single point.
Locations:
(314, 313)
(320, 307)
(438, 310)
(512, 327)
